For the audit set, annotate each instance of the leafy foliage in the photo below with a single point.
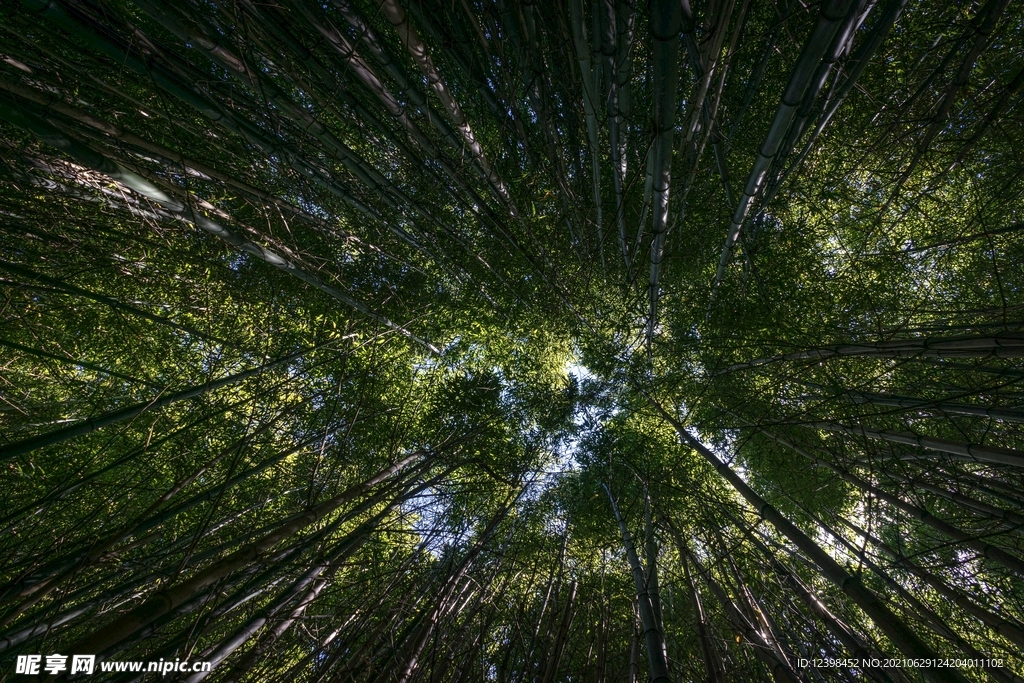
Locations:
(338, 337)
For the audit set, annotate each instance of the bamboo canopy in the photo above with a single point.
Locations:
(513, 341)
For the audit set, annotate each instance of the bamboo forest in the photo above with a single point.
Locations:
(524, 341)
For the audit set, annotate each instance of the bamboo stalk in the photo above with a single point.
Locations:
(167, 599)
(888, 622)
(829, 22)
(654, 630)
(666, 24)
(411, 39)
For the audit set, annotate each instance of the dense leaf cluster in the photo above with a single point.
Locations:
(406, 341)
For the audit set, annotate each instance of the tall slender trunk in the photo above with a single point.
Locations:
(713, 665)
(666, 24)
(44, 578)
(418, 51)
(588, 74)
(998, 555)
(856, 646)
(167, 599)
(1007, 627)
(1004, 345)
(884, 618)
(780, 668)
(654, 630)
(969, 451)
(443, 604)
(1002, 414)
(935, 622)
(109, 301)
(551, 671)
(25, 119)
(829, 22)
(302, 591)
